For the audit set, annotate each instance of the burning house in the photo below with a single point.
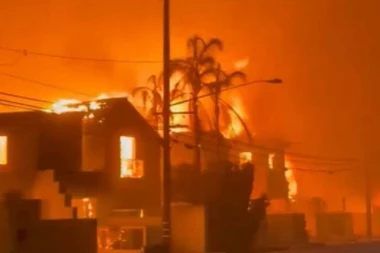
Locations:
(100, 160)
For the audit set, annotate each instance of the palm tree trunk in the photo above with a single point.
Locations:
(197, 136)
(217, 126)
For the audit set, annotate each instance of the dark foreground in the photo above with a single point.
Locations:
(360, 247)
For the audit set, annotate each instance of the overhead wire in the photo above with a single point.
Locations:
(298, 156)
(26, 53)
(16, 106)
(43, 84)
(21, 104)
(230, 156)
(301, 158)
(25, 97)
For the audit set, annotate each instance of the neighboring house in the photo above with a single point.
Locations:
(102, 164)
(268, 156)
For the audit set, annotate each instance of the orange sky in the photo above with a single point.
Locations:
(326, 51)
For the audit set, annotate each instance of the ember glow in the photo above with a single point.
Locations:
(180, 119)
(75, 105)
(235, 127)
(88, 208)
(3, 150)
(270, 161)
(245, 157)
(291, 179)
(289, 175)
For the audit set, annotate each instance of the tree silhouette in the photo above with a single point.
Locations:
(196, 68)
(223, 80)
(151, 98)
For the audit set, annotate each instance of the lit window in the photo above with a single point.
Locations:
(129, 166)
(245, 157)
(88, 208)
(3, 150)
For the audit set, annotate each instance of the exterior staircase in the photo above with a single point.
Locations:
(55, 201)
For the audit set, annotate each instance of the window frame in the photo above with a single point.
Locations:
(135, 162)
(4, 152)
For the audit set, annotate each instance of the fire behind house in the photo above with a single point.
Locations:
(103, 160)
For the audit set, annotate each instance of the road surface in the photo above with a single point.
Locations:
(360, 247)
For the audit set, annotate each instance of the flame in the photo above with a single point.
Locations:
(127, 153)
(235, 127)
(88, 207)
(270, 161)
(75, 105)
(245, 157)
(289, 176)
(241, 64)
(179, 121)
(291, 179)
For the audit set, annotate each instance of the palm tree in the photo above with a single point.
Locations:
(151, 98)
(195, 68)
(222, 80)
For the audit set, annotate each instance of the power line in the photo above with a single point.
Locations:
(24, 97)
(21, 104)
(11, 63)
(191, 146)
(26, 52)
(301, 157)
(16, 106)
(274, 81)
(332, 161)
(43, 84)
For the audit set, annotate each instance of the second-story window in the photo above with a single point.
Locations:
(130, 167)
(3, 150)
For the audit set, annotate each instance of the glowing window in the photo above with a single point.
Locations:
(129, 166)
(88, 208)
(245, 157)
(3, 150)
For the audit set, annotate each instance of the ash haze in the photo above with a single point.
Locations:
(326, 51)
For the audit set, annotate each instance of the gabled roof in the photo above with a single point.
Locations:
(115, 109)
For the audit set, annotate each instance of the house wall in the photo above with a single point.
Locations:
(5, 233)
(60, 236)
(53, 203)
(23, 138)
(132, 193)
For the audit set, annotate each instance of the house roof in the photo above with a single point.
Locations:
(113, 109)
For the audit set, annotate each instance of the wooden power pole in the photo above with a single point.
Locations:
(166, 182)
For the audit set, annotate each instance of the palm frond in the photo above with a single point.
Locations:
(209, 76)
(140, 89)
(227, 105)
(214, 43)
(205, 114)
(237, 75)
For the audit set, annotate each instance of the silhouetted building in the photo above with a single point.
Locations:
(101, 163)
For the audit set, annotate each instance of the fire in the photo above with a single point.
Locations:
(180, 119)
(241, 64)
(289, 175)
(235, 126)
(75, 105)
(245, 157)
(88, 208)
(291, 179)
(270, 161)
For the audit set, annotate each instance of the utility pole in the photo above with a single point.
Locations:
(368, 201)
(166, 182)
(217, 114)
